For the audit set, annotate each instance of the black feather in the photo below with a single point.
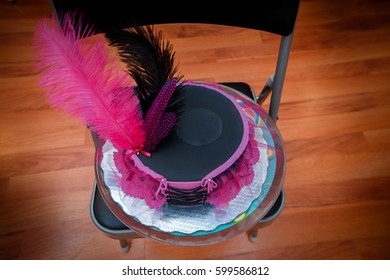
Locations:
(150, 62)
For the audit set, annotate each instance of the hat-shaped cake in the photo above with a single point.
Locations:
(176, 141)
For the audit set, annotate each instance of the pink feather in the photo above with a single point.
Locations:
(80, 80)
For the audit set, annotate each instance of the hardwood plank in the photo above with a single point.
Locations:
(378, 139)
(231, 250)
(353, 166)
(243, 66)
(374, 248)
(213, 55)
(40, 199)
(10, 245)
(12, 54)
(348, 34)
(76, 239)
(19, 85)
(344, 144)
(36, 212)
(155, 250)
(25, 9)
(363, 67)
(329, 223)
(23, 99)
(338, 55)
(324, 12)
(16, 39)
(243, 37)
(338, 250)
(33, 162)
(327, 106)
(341, 86)
(382, 98)
(17, 25)
(34, 131)
(50, 184)
(188, 30)
(321, 126)
(19, 69)
(337, 191)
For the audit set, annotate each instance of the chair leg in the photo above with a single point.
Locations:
(125, 246)
(252, 235)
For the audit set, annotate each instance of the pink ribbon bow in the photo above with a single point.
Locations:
(209, 183)
(136, 150)
(162, 187)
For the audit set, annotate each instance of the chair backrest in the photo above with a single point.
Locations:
(277, 17)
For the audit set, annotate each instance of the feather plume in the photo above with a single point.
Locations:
(150, 62)
(158, 124)
(79, 80)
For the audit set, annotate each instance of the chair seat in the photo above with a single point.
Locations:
(103, 214)
(105, 220)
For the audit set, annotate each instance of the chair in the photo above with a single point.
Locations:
(278, 18)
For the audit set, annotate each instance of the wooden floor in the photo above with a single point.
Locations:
(334, 118)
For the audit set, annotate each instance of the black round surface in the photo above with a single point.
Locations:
(199, 127)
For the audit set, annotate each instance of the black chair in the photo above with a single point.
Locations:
(278, 18)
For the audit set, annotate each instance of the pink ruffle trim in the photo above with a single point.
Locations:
(136, 183)
(140, 185)
(240, 174)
